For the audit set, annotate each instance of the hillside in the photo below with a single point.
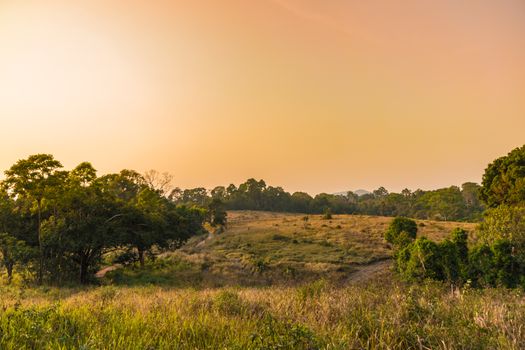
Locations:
(262, 248)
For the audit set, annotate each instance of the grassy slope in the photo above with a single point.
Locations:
(322, 314)
(262, 248)
(383, 315)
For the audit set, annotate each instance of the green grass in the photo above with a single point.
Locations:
(268, 282)
(268, 249)
(318, 315)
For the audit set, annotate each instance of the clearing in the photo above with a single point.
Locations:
(264, 248)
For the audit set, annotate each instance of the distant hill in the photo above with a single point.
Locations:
(359, 192)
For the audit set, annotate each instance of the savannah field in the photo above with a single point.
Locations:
(270, 281)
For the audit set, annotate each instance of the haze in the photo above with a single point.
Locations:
(309, 95)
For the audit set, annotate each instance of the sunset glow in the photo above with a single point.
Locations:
(312, 95)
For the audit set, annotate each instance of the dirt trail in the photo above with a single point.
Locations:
(102, 273)
(369, 272)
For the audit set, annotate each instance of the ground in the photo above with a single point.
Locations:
(263, 248)
(271, 281)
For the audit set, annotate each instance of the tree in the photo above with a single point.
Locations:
(327, 214)
(301, 202)
(217, 213)
(14, 252)
(83, 225)
(33, 178)
(380, 192)
(160, 182)
(401, 231)
(504, 180)
(504, 222)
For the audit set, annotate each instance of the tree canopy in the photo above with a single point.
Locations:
(56, 224)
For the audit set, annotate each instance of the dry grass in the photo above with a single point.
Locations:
(351, 301)
(318, 315)
(263, 248)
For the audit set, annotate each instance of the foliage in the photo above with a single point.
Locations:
(504, 222)
(451, 203)
(327, 214)
(504, 180)
(426, 316)
(217, 213)
(58, 224)
(401, 231)
(451, 260)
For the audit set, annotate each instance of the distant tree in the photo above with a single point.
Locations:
(380, 192)
(219, 192)
(217, 213)
(327, 214)
(444, 204)
(352, 197)
(160, 182)
(195, 196)
(301, 202)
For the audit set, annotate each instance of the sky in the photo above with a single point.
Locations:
(311, 95)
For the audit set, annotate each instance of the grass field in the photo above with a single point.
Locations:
(271, 281)
(318, 315)
(262, 249)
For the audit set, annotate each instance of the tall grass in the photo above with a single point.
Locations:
(315, 316)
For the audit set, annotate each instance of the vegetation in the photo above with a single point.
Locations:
(56, 225)
(401, 231)
(257, 280)
(268, 249)
(314, 316)
(447, 204)
(504, 180)
(497, 258)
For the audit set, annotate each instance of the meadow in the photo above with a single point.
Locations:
(215, 293)
(382, 314)
(280, 249)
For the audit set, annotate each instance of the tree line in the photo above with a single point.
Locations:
(495, 257)
(56, 225)
(449, 204)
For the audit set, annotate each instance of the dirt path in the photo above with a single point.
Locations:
(102, 273)
(369, 272)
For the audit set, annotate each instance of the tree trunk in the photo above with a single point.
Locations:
(9, 268)
(141, 257)
(40, 247)
(84, 264)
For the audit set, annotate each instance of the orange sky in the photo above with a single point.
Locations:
(310, 95)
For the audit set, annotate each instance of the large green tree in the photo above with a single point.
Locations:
(504, 180)
(35, 178)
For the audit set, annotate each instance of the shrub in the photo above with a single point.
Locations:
(401, 231)
(228, 303)
(420, 260)
(311, 290)
(445, 261)
(276, 334)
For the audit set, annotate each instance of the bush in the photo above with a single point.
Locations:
(445, 261)
(276, 334)
(327, 214)
(420, 260)
(401, 231)
(485, 265)
(228, 303)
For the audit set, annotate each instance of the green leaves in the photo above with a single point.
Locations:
(401, 231)
(504, 180)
